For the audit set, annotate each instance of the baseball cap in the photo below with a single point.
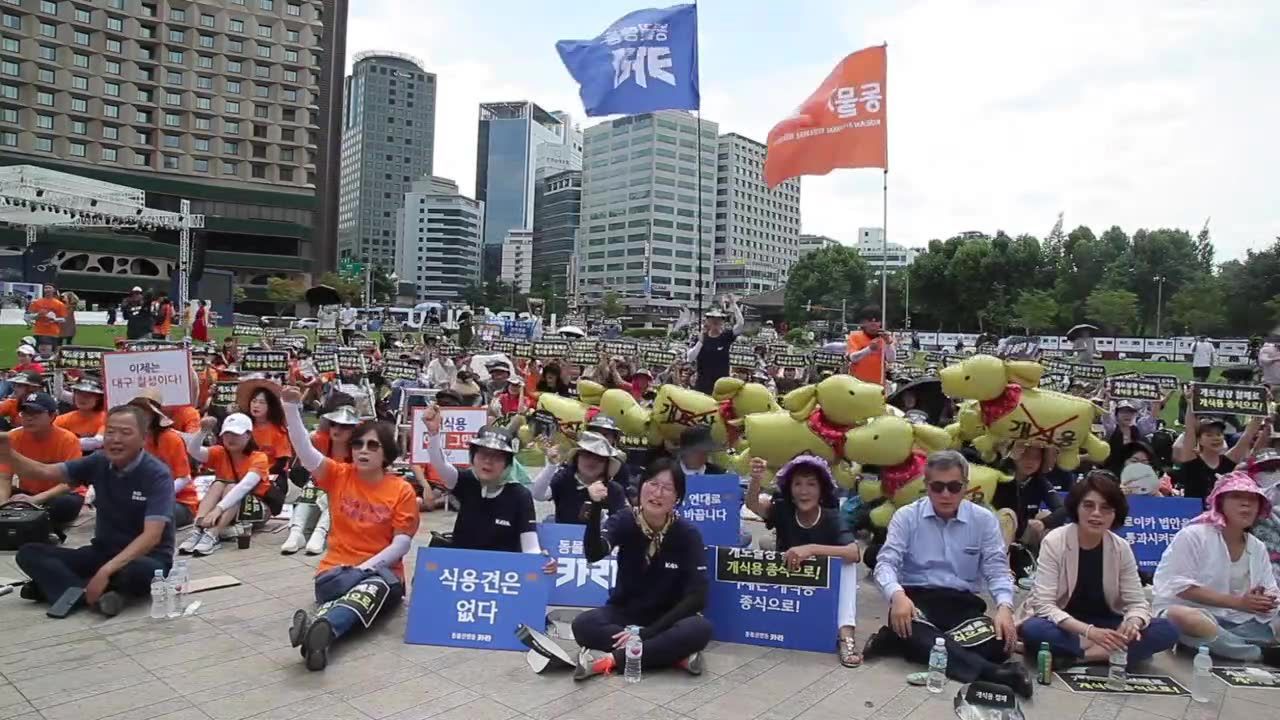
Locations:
(237, 424)
(26, 350)
(40, 402)
(136, 289)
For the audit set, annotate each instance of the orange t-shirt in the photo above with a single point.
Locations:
(171, 450)
(272, 440)
(185, 418)
(871, 367)
(226, 471)
(365, 517)
(59, 447)
(43, 325)
(9, 409)
(84, 423)
(323, 443)
(166, 321)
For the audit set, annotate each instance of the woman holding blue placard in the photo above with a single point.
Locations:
(594, 460)
(806, 524)
(661, 583)
(374, 516)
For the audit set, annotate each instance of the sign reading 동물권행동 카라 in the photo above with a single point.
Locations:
(578, 583)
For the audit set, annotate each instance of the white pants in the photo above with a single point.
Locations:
(847, 612)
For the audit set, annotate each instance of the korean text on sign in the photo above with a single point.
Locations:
(1153, 521)
(475, 598)
(1248, 400)
(128, 374)
(755, 599)
(458, 426)
(578, 583)
(713, 504)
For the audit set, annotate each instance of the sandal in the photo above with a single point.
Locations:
(847, 650)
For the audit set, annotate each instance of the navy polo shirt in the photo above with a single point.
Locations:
(571, 500)
(643, 592)
(494, 523)
(126, 498)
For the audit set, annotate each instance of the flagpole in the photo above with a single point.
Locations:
(884, 218)
(698, 116)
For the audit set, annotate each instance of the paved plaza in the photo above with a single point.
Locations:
(232, 660)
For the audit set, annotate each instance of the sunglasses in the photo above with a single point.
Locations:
(366, 445)
(954, 488)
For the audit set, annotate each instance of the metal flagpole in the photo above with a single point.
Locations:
(701, 264)
(884, 255)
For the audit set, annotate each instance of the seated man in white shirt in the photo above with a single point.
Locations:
(1215, 583)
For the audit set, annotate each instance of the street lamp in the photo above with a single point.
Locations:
(1159, 301)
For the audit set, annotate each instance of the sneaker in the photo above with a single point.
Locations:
(590, 665)
(318, 542)
(315, 644)
(695, 664)
(111, 603)
(192, 540)
(208, 544)
(294, 543)
(230, 532)
(298, 630)
(30, 591)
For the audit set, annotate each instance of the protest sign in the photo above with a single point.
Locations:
(1250, 400)
(829, 361)
(522, 329)
(199, 361)
(1020, 348)
(400, 370)
(755, 599)
(457, 427)
(476, 598)
(1163, 685)
(297, 342)
(935, 358)
(583, 354)
(75, 357)
(506, 347)
(1133, 388)
(794, 361)
(550, 349)
(522, 349)
(742, 359)
(273, 332)
(1055, 381)
(364, 344)
(1153, 521)
(657, 357)
(578, 582)
(1166, 382)
(326, 362)
(224, 392)
(712, 503)
(351, 360)
(265, 361)
(246, 330)
(146, 345)
(327, 335)
(619, 348)
(1248, 677)
(126, 374)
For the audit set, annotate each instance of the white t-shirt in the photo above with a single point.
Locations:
(1238, 579)
(1202, 354)
(348, 317)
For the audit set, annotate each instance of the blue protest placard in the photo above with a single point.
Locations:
(475, 598)
(755, 599)
(1152, 523)
(713, 504)
(578, 583)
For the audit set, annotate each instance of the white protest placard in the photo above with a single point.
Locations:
(457, 427)
(126, 374)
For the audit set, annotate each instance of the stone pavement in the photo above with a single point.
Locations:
(232, 660)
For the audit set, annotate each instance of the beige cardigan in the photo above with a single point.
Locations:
(1059, 563)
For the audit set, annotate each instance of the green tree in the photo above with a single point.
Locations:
(351, 290)
(826, 278)
(1035, 310)
(283, 293)
(1115, 310)
(1273, 308)
(1200, 307)
(612, 306)
(238, 295)
(385, 289)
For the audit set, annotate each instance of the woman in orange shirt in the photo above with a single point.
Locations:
(88, 417)
(333, 440)
(375, 516)
(241, 483)
(258, 398)
(169, 447)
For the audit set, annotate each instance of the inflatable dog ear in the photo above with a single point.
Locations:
(801, 402)
(589, 392)
(1024, 372)
(726, 387)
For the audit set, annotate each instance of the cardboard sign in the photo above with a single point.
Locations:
(457, 427)
(742, 359)
(1248, 677)
(1250, 400)
(1136, 685)
(578, 582)
(1133, 388)
(326, 362)
(1153, 521)
(550, 349)
(657, 358)
(224, 392)
(247, 330)
(746, 604)
(126, 374)
(75, 357)
(265, 361)
(400, 370)
(712, 503)
(476, 598)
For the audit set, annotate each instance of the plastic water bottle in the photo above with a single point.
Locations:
(634, 650)
(1117, 674)
(159, 589)
(937, 681)
(180, 580)
(1202, 679)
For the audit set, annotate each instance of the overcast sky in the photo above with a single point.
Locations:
(1002, 113)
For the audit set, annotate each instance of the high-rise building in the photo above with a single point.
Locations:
(556, 214)
(508, 156)
(809, 243)
(388, 142)
(871, 246)
(438, 241)
(757, 229)
(640, 212)
(226, 103)
(517, 260)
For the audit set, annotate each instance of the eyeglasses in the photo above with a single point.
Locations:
(953, 488)
(662, 488)
(366, 445)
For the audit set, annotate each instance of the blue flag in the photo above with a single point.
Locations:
(646, 61)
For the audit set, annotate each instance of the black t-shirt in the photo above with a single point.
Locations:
(829, 530)
(1027, 498)
(646, 592)
(571, 500)
(491, 523)
(713, 360)
(1088, 600)
(1197, 479)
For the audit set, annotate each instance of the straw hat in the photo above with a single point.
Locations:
(149, 400)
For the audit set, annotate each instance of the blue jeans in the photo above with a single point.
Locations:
(1235, 641)
(332, 588)
(1159, 636)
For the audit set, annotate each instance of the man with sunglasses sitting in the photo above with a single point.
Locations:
(939, 554)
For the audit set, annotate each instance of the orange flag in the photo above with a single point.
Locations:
(843, 124)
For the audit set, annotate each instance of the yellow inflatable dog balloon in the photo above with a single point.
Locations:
(676, 408)
(570, 416)
(1010, 407)
(843, 400)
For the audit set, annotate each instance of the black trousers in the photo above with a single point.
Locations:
(944, 609)
(182, 516)
(595, 629)
(56, 569)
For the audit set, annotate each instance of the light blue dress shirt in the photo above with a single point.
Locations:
(965, 553)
